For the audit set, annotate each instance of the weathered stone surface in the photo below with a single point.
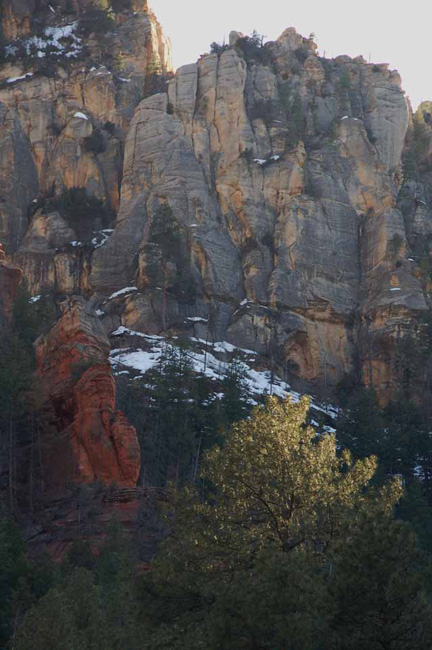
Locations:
(46, 114)
(94, 442)
(18, 178)
(304, 232)
(284, 181)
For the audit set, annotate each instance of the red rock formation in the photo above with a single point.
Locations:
(96, 443)
(10, 279)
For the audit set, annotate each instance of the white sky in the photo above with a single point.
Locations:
(394, 32)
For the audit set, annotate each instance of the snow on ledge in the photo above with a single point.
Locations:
(121, 292)
(81, 116)
(12, 80)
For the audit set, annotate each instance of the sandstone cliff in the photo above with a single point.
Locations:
(266, 190)
(92, 441)
(69, 82)
(284, 172)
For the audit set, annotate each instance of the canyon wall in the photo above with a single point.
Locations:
(264, 196)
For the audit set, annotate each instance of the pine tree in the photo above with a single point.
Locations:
(379, 591)
(234, 405)
(247, 566)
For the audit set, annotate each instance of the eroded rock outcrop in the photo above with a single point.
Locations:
(93, 441)
(283, 176)
(283, 171)
(66, 99)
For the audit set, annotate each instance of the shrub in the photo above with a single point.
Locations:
(376, 68)
(95, 143)
(253, 48)
(372, 139)
(83, 213)
(265, 109)
(110, 127)
(218, 48)
(46, 68)
(247, 154)
(95, 21)
(293, 104)
(301, 54)
(121, 5)
(395, 244)
(345, 79)
(55, 128)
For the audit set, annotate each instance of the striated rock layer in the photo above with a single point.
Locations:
(92, 441)
(284, 173)
(263, 197)
(61, 87)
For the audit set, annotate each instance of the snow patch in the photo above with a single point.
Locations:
(51, 42)
(121, 292)
(81, 116)
(224, 346)
(12, 80)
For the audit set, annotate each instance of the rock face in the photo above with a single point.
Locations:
(92, 441)
(283, 172)
(266, 191)
(65, 104)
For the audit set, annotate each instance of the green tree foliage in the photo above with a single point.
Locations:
(32, 317)
(13, 568)
(89, 607)
(250, 565)
(379, 590)
(235, 402)
(167, 258)
(84, 213)
(17, 396)
(182, 419)
(399, 434)
(293, 105)
(95, 21)
(284, 544)
(218, 48)
(95, 143)
(21, 582)
(180, 413)
(118, 6)
(253, 49)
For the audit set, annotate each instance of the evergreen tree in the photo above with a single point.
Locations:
(379, 591)
(248, 566)
(235, 403)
